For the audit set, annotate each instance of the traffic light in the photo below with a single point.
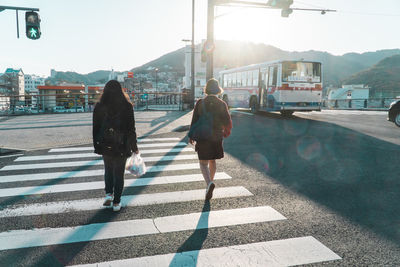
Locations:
(32, 21)
(282, 4)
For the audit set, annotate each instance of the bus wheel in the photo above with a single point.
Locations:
(253, 105)
(287, 113)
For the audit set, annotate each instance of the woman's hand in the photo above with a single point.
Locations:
(191, 141)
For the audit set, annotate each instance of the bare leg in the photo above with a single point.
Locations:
(213, 168)
(205, 170)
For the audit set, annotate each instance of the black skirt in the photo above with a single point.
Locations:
(209, 150)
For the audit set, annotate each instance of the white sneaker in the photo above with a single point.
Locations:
(210, 189)
(117, 207)
(108, 200)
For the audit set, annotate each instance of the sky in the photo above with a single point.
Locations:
(89, 35)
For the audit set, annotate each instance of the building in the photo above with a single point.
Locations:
(12, 85)
(68, 96)
(356, 94)
(32, 82)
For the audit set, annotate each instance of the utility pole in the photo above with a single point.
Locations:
(210, 40)
(192, 80)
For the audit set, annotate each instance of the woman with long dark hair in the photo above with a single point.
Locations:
(114, 137)
(208, 150)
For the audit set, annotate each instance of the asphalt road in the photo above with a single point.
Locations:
(331, 175)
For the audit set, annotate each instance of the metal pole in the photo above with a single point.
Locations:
(16, 11)
(192, 88)
(19, 8)
(210, 39)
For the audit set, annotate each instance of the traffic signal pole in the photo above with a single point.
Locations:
(192, 81)
(210, 40)
(16, 8)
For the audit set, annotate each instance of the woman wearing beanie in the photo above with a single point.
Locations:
(114, 137)
(211, 149)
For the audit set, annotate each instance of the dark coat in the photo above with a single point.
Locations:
(127, 127)
(222, 123)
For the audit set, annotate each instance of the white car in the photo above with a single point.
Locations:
(59, 109)
(76, 109)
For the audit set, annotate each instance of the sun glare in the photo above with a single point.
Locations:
(257, 26)
(241, 24)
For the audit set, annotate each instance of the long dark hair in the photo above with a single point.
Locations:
(113, 97)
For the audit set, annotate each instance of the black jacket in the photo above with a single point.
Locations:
(222, 123)
(127, 127)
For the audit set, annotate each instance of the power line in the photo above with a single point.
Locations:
(370, 14)
(351, 12)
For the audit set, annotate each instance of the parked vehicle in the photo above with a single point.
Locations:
(76, 109)
(59, 109)
(394, 112)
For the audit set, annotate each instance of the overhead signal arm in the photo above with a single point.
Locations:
(284, 5)
(32, 20)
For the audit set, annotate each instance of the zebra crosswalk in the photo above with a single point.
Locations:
(68, 183)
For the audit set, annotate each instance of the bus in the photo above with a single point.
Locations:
(283, 85)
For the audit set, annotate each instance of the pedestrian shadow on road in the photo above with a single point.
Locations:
(351, 173)
(188, 253)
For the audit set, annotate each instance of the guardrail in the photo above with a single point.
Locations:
(359, 104)
(83, 102)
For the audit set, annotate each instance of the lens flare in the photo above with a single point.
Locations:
(258, 161)
(308, 148)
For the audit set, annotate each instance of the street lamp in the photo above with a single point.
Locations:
(192, 59)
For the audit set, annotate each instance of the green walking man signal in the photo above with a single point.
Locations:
(32, 21)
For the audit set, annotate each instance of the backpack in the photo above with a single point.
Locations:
(112, 138)
(202, 129)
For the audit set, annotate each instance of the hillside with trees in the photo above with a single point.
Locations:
(383, 78)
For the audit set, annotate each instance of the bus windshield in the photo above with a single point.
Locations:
(297, 71)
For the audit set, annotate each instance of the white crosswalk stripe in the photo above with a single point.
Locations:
(277, 253)
(126, 201)
(140, 146)
(74, 174)
(90, 163)
(98, 231)
(46, 189)
(47, 181)
(92, 155)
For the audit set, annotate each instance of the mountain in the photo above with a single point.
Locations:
(173, 61)
(229, 54)
(383, 78)
(100, 76)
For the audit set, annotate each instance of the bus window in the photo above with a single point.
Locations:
(229, 80)
(255, 78)
(233, 79)
(244, 78)
(249, 78)
(297, 71)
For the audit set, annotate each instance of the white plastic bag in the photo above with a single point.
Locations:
(135, 165)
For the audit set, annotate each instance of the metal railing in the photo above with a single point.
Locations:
(358, 104)
(83, 102)
(159, 101)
